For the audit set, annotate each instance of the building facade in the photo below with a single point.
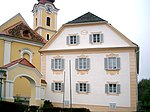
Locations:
(20, 60)
(88, 63)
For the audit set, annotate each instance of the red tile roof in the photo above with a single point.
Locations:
(21, 61)
(23, 31)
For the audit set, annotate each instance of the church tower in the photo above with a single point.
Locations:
(45, 18)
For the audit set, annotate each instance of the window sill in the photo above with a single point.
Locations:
(72, 44)
(57, 92)
(112, 94)
(112, 69)
(97, 43)
(83, 93)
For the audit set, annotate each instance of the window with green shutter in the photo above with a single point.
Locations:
(73, 40)
(57, 64)
(112, 88)
(112, 63)
(96, 38)
(57, 87)
(82, 87)
(82, 63)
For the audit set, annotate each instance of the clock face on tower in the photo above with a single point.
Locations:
(48, 8)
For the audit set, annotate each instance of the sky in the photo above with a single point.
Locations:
(130, 17)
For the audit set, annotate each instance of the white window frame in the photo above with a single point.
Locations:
(82, 63)
(112, 63)
(48, 23)
(73, 40)
(57, 64)
(27, 51)
(96, 38)
(114, 89)
(47, 36)
(57, 86)
(82, 87)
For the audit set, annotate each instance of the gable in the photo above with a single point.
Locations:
(112, 37)
(12, 21)
(23, 31)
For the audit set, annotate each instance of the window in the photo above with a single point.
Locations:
(57, 64)
(48, 21)
(112, 88)
(26, 53)
(96, 38)
(82, 64)
(73, 40)
(82, 88)
(112, 105)
(47, 36)
(36, 22)
(112, 63)
(57, 87)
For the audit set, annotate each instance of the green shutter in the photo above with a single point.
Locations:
(52, 86)
(91, 38)
(62, 87)
(77, 64)
(106, 63)
(52, 64)
(78, 39)
(88, 63)
(62, 64)
(88, 88)
(102, 38)
(118, 88)
(68, 40)
(77, 88)
(106, 88)
(118, 63)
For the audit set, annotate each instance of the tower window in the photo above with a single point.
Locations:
(48, 21)
(48, 37)
(36, 21)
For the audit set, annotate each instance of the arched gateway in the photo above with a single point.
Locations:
(24, 80)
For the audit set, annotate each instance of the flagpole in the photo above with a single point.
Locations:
(70, 86)
(64, 91)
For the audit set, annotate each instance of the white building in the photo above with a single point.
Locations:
(101, 62)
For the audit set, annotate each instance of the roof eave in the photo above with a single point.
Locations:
(85, 23)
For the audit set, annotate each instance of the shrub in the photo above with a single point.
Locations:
(12, 107)
(33, 108)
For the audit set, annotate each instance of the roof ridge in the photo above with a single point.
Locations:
(87, 17)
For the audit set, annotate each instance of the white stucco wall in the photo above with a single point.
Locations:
(97, 78)
(111, 38)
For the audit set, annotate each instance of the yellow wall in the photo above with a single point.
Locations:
(23, 70)
(11, 22)
(1, 52)
(46, 29)
(15, 53)
(25, 55)
(22, 89)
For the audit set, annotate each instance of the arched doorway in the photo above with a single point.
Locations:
(25, 89)
(24, 80)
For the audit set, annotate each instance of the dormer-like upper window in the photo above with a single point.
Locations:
(96, 38)
(73, 40)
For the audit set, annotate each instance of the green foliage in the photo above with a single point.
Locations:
(12, 107)
(144, 95)
(144, 91)
(47, 104)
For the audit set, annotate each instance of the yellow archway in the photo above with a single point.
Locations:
(25, 89)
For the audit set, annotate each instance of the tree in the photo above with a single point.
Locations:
(144, 91)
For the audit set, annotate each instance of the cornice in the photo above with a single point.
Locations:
(13, 39)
